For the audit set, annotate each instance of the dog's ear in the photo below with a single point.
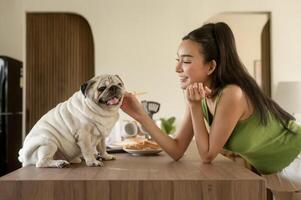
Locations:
(119, 78)
(86, 86)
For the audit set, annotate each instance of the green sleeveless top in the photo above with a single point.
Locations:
(268, 148)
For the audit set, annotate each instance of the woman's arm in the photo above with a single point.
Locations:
(230, 109)
(174, 147)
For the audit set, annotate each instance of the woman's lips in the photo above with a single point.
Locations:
(183, 79)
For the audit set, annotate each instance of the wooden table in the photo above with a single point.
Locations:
(138, 178)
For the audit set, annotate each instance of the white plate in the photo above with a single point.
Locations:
(146, 152)
(115, 146)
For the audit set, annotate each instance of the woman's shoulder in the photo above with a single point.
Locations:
(232, 91)
(234, 95)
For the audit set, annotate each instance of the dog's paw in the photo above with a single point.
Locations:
(62, 164)
(94, 163)
(98, 157)
(108, 157)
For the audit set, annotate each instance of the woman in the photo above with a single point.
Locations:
(218, 88)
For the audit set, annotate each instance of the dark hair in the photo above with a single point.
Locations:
(217, 43)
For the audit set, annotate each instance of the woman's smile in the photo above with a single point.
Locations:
(183, 79)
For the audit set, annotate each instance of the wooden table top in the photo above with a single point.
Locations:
(137, 178)
(128, 167)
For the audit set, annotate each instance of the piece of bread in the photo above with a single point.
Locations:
(143, 145)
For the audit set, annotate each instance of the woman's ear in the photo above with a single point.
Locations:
(212, 66)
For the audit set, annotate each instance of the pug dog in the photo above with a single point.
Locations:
(77, 127)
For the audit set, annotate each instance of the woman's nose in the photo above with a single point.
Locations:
(179, 67)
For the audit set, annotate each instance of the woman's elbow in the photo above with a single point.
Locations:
(207, 159)
(177, 157)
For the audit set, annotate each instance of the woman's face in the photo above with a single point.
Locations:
(191, 66)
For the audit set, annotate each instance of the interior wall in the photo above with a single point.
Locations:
(139, 39)
(11, 30)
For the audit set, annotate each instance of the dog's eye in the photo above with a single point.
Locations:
(120, 84)
(101, 89)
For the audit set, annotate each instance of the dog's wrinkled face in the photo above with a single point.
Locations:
(105, 90)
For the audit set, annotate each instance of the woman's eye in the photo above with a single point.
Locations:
(185, 62)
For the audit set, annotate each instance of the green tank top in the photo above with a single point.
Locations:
(268, 148)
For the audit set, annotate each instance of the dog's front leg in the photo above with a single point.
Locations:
(84, 142)
(102, 149)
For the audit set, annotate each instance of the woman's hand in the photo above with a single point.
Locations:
(132, 107)
(195, 92)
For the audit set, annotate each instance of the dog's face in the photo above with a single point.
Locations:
(105, 90)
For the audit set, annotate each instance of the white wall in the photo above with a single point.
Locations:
(138, 39)
(11, 30)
